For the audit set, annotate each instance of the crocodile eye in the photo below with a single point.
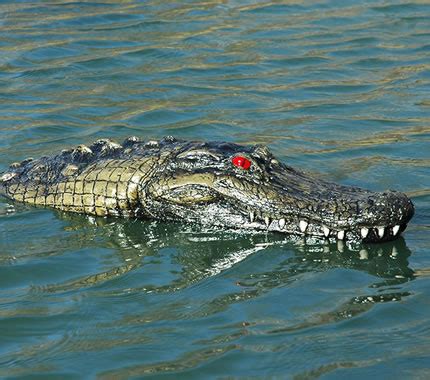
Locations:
(241, 162)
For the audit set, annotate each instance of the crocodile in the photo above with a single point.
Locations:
(216, 184)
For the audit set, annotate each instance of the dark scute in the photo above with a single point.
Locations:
(262, 151)
(26, 161)
(168, 140)
(130, 141)
(81, 153)
(99, 145)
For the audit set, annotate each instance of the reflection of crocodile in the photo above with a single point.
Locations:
(212, 183)
(193, 254)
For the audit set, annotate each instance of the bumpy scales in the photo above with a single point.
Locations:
(212, 183)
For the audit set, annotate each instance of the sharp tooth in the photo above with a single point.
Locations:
(251, 216)
(281, 223)
(267, 221)
(363, 254)
(303, 225)
(381, 231)
(364, 232)
(395, 230)
(340, 246)
(326, 231)
(341, 235)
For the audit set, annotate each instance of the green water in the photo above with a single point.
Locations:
(338, 88)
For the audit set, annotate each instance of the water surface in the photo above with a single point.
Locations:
(337, 88)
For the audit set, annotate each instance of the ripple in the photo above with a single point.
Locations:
(189, 360)
(335, 88)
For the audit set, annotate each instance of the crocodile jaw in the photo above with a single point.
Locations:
(288, 202)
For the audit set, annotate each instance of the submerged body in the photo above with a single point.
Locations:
(211, 183)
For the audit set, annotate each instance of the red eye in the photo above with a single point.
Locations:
(241, 162)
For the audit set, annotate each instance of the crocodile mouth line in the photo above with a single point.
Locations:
(310, 228)
(302, 227)
(252, 218)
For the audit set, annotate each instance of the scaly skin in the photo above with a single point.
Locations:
(202, 183)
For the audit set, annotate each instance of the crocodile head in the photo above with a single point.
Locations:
(229, 185)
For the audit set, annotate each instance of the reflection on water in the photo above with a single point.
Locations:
(140, 260)
(199, 254)
(337, 88)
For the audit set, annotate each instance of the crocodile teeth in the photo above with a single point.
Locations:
(251, 216)
(303, 225)
(267, 221)
(341, 235)
(281, 223)
(364, 232)
(364, 255)
(326, 231)
(381, 231)
(395, 230)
